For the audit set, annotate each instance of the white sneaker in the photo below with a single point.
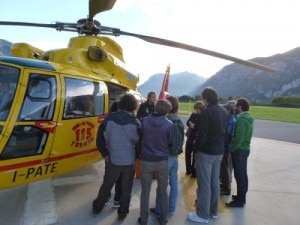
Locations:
(195, 218)
(116, 204)
(107, 202)
(214, 216)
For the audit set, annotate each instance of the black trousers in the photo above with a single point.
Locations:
(190, 156)
(239, 162)
(225, 173)
(112, 173)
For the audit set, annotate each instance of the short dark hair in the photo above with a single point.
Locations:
(114, 107)
(128, 102)
(150, 94)
(210, 95)
(163, 107)
(199, 105)
(174, 102)
(243, 102)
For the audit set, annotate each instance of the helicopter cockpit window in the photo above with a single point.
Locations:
(83, 98)
(24, 141)
(8, 82)
(39, 99)
(115, 92)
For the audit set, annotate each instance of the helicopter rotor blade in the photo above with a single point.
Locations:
(174, 44)
(74, 27)
(97, 6)
(95, 28)
(10, 23)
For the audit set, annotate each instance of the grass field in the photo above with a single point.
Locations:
(261, 112)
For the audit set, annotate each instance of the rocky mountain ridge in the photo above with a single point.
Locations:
(256, 85)
(179, 83)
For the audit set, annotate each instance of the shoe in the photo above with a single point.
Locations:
(162, 222)
(107, 202)
(234, 197)
(116, 204)
(214, 216)
(225, 192)
(121, 217)
(153, 210)
(140, 220)
(234, 204)
(195, 218)
(94, 214)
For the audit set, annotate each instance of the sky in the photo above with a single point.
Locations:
(241, 28)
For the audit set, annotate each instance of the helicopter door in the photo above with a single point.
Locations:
(84, 103)
(29, 131)
(28, 138)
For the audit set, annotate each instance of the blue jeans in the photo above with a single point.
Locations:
(239, 162)
(173, 182)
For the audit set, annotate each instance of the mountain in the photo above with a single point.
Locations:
(179, 83)
(232, 80)
(5, 47)
(256, 85)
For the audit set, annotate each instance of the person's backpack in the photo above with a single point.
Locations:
(177, 145)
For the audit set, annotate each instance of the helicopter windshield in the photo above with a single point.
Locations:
(8, 81)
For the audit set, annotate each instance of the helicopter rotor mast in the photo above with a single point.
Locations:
(89, 26)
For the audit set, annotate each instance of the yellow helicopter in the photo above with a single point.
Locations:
(52, 102)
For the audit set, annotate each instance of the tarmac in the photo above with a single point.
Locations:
(273, 196)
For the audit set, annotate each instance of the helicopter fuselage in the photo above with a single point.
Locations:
(55, 105)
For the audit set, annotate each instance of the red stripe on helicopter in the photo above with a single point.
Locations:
(44, 161)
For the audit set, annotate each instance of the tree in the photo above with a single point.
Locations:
(185, 98)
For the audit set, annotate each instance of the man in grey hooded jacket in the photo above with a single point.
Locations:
(117, 138)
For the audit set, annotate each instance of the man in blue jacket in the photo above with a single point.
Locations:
(158, 134)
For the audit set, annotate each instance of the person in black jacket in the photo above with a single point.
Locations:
(192, 124)
(209, 149)
(147, 108)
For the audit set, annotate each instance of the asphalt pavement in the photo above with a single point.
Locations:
(273, 196)
(280, 131)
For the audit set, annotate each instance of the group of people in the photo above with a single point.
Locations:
(221, 137)
(215, 137)
(122, 138)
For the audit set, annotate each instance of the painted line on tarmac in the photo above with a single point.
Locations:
(272, 140)
(40, 204)
(189, 189)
